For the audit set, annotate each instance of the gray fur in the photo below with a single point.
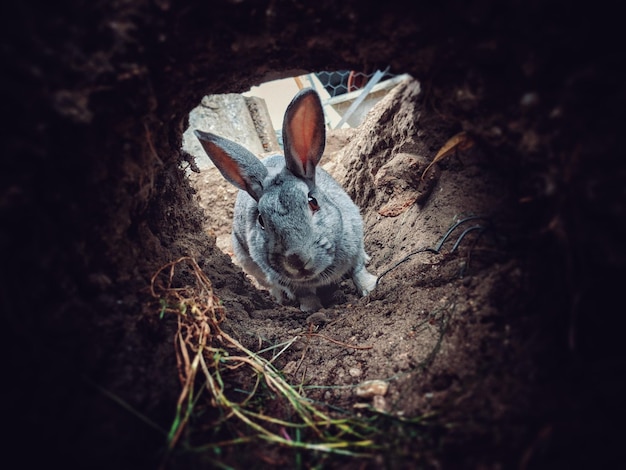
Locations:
(299, 249)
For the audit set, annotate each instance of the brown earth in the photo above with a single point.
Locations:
(503, 352)
(441, 329)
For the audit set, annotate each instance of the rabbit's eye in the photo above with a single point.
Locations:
(261, 223)
(313, 205)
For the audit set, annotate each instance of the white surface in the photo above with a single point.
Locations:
(279, 93)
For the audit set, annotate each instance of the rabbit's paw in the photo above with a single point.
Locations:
(364, 281)
(309, 303)
(281, 296)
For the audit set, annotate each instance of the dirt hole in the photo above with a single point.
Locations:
(415, 177)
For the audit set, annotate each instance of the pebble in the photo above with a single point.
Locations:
(380, 404)
(372, 388)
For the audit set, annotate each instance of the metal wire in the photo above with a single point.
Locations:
(437, 249)
(339, 82)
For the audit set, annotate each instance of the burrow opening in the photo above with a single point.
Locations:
(97, 202)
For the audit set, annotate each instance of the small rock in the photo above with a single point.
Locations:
(371, 388)
(380, 404)
(317, 318)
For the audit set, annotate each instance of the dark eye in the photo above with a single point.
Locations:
(261, 223)
(313, 205)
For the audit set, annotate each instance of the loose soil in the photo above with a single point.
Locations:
(442, 329)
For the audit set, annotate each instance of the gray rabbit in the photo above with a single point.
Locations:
(294, 229)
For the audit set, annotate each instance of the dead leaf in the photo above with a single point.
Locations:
(458, 142)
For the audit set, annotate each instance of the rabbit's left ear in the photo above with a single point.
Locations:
(304, 134)
(238, 165)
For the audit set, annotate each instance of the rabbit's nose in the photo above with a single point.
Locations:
(298, 265)
(295, 262)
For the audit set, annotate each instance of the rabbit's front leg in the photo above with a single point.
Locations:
(309, 301)
(281, 295)
(364, 281)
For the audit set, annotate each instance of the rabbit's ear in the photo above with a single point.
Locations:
(304, 134)
(237, 164)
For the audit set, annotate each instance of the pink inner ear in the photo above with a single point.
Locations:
(303, 130)
(224, 163)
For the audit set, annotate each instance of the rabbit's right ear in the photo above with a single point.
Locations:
(237, 164)
(304, 134)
